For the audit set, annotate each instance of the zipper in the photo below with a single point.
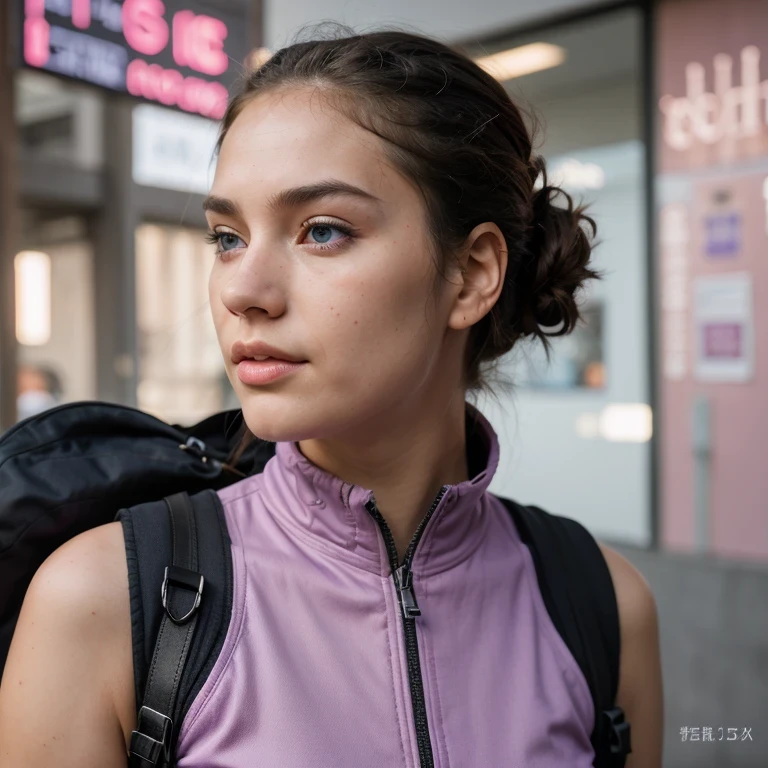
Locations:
(409, 609)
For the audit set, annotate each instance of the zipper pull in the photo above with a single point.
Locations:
(404, 582)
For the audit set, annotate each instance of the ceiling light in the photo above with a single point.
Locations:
(522, 60)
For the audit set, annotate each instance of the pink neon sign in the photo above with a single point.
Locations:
(145, 46)
(198, 39)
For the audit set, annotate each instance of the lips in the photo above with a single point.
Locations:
(259, 350)
(257, 372)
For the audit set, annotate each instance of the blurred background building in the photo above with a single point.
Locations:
(650, 423)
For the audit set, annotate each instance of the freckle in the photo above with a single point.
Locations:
(93, 613)
(19, 682)
(355, 322)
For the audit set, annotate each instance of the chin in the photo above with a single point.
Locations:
(319, 411)
(278, 419)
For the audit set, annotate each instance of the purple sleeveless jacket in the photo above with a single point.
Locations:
(327, 665)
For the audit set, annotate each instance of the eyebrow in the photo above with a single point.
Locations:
(293, 197)
(221, 205)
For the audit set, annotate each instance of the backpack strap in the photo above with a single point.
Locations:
(578, 592)
(180, 578)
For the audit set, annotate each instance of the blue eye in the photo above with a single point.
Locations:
(228, 241)
(322, 232)
(322, 235)
(225, 241)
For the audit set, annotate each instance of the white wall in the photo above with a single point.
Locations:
(449, 19)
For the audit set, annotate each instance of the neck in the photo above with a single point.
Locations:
(405, 464)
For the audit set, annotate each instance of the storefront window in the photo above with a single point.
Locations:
(576, 427)
(577, 360)
(181, 375)
(55, 324)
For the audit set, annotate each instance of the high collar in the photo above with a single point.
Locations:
(329, 514)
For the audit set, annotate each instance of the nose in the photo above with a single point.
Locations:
(256, 284)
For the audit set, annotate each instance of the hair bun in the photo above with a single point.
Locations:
(557, 264)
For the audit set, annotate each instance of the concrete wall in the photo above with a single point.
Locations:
(713, 617)
(451, 19)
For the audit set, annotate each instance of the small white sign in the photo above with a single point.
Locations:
(172, 150)
(723, 318)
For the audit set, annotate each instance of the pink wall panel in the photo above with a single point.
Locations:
(713, 137)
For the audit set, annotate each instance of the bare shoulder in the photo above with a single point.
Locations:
(640, 692)
(87, 572)
(71, 652)
(637, 607)
(82, 588)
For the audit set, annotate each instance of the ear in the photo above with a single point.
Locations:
(482, 269)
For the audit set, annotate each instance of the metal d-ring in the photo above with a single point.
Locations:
(184, 578)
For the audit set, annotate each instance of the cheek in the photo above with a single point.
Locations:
(218, 310)
(379, 318)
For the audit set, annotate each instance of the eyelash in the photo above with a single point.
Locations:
(214, 236)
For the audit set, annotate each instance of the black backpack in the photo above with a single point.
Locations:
(69, 469)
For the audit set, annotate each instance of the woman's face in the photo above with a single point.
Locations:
(339, 279)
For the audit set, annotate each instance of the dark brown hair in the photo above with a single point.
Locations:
(454, 131)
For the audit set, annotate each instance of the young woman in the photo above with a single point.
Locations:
(380, 242)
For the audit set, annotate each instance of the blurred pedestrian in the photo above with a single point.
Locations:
(39, 388)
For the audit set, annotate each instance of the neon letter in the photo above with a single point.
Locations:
(198, 42)
(135, 77)
(81, 13)
(37, 48)
(181, 22)
(144, 27)
(170, 87)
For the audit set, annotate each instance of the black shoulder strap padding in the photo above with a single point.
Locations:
(172, 659)
(578, 592)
